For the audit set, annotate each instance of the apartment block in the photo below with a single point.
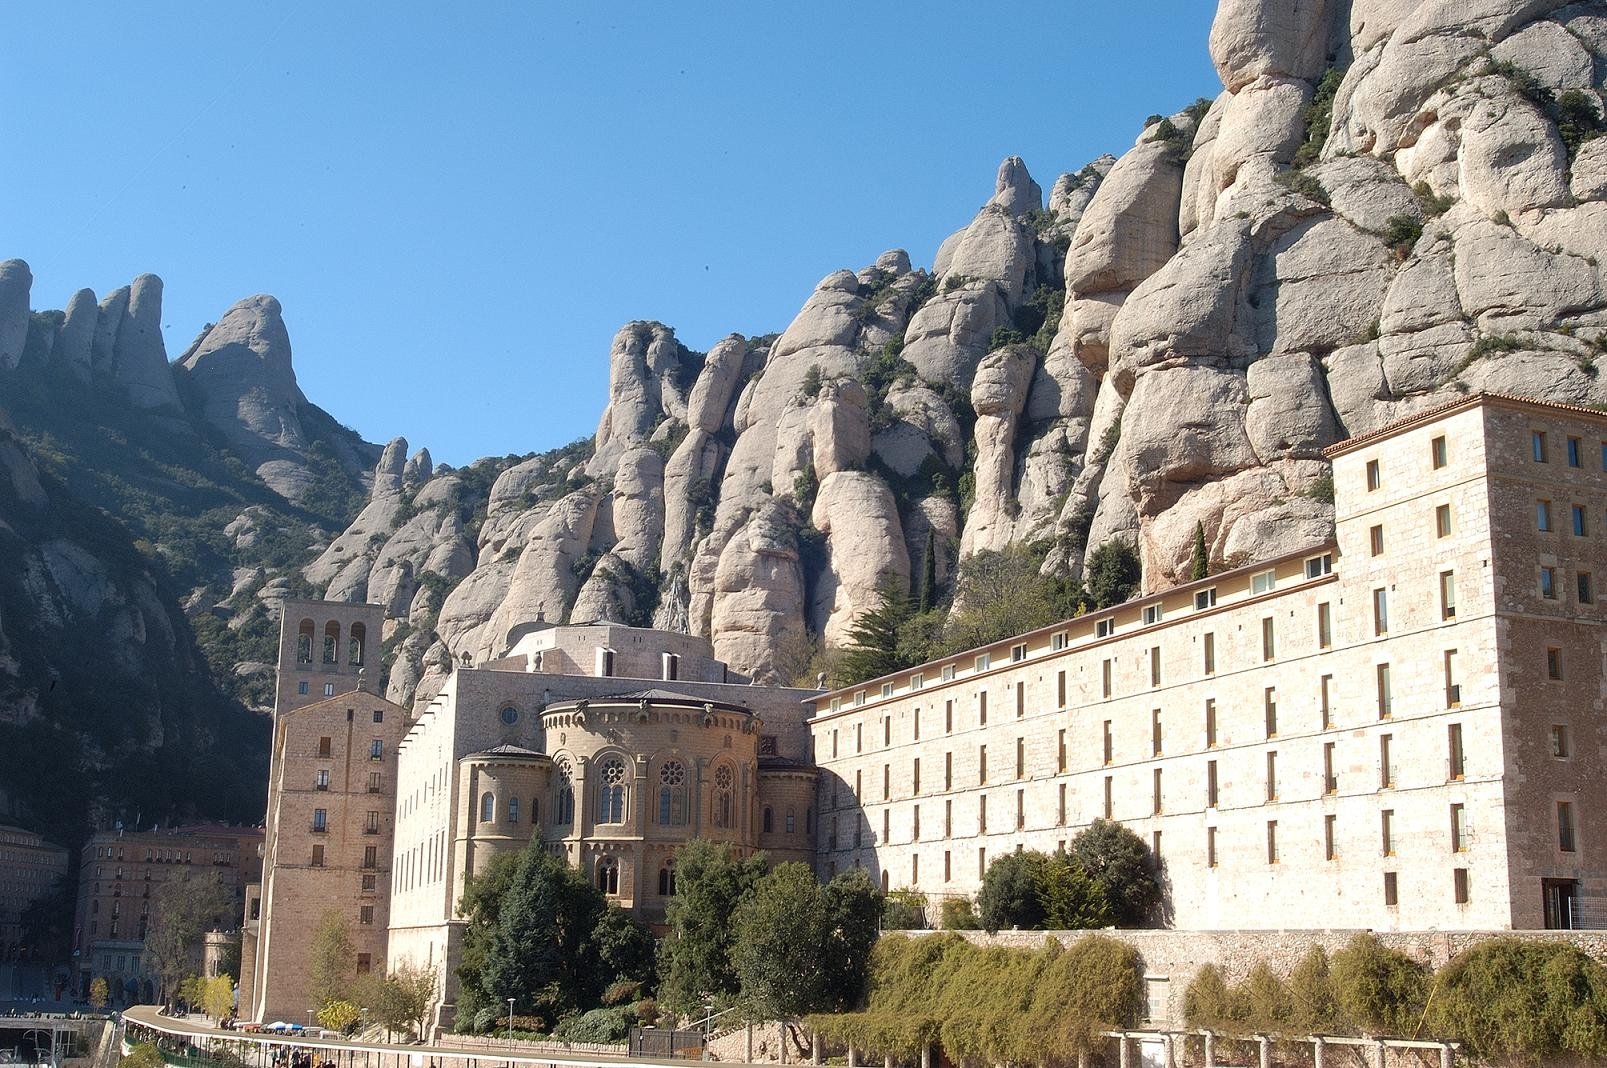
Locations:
(1399, 729)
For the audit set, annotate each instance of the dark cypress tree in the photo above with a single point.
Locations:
(929, 576)
(1202, 562)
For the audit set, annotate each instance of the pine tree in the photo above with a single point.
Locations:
(929, 577)
(1202, 562)
(873, 638)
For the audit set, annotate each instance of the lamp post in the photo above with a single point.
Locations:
(510, 1024)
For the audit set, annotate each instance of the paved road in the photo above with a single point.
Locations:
(147, 1016)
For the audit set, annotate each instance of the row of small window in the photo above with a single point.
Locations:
(114, 929)
(1574, 450)
(376, 748)
(612, 797)
(301, 688)
(1260, 583)
(320, 821)
(376, 781)
(165, 856)
(1578, 518)
(370, 861)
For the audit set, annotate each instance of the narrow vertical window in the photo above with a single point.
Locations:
(1325, 625)
(1374, 477)
(1386, 701)
(1060, 812)
(1109, 745)
(1437, 452)
(1060, 750)
(1210, 722)
(1270, 706)
(1105, 674)
(1210, 847)
(1155, 665)
(1391, 894)
(1329, 851)
(1330, 778)
(1442, 521)
(1386, 770)
(1272, 841)
(1326, 684)
(1386, 832)
(1272, 775)
(1375, 540)
(1447, 595)
(1155, 732)
(1156, 810)
(1380, 611)
(1565, 826)
(1458, 833)
(1269, 644)
(1209, 645)
(1210, 784)
(1109, 798)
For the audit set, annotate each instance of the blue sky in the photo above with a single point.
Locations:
(458, 204)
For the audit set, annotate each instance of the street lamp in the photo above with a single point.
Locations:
(309, 1019)
(510, 1023)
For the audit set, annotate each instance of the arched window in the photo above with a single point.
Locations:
(354, 645)
(884, 882)
(564, 799)
(809, 820)
(672, 794)
(488, 807)
(769, 820)
(666, 880)
(535, 810)
(513, 809)
(304, 635)
(331, 642)
(608, 875)
(724, 787)
(792, 822)
(611, 792)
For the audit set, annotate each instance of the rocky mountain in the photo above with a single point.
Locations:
(1389, 203)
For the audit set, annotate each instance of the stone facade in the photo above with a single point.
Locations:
(564, 740)
(29, 870)
(331, 806)
(1368, 730)
(120, 876)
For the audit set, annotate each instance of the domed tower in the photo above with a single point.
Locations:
(637, 775)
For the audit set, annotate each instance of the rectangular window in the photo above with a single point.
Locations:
(948, 771)
(1263, 582)
(1386, 831)
(1269, 644)
(983, 662)
(1058, 642)
(1109, 747)
(1021, 699)
(1374, 478)
(1272, 841)
(1436, 449)
(1553, 663)
(1459, 885)
(887, 782)
(948, 818)
(916, 682)
(1548, 583)
(1537, 445)
(948, 717)
(982, 709)
(887, 731)
(1209, 646)
(1105, 628)
(365, 915)
(981, 763)
(1204, 599)
(1453, 689)
(1152, 614)
(1458, 836)
(981, 861)
(1560, 747)
(320, 820)
(370, 883)
(1060, 811)
(1156, 796)
(301, 687)
(1375, 540)
(982, 814)
(1018, 652)
(1447, 595)
(859, 737)
(1442, 521)
(376, 782)
(1585, 590)
(1318, 566)
(1210, 722)
(1021, 758)
(1573, 452)
(1577, 520)
(371, 823)
(1021, 809)
(1325, 685)
(1386, 771)
(1325, 625)
(1391, 897)
(915, 776)
(1110, 805)
(1105, 678)
(322, 782)
(1270, 704)
(1542, 516)
(370, 856)
(1380, 611)
(318, 856)
(1060, 689)
(1211, 794)
(323, 747)
(1329, 851)
(916, 722)
(1154, 665)
(948, 672)
(1330, 777)
(1456, 761)
(1272, 775)
(1155, 732)
(1210, 847)
(365, 963)
(1060, 750)
(1565, 826)
(948, 869)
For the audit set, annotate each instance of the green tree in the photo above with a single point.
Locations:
(1011, 894)
(1380, 990)
(333, 959)
(1113, 573)
(143, 1055)
(480, 907)
(182, 911)
(536, 952)
(904, 910)
(1072, 900)
(928, 598)
(1311, 989)
(776, 950)
(999, 595)
(958, 914)
(1208, 1002)
(99, 992)
(695, 959)
(873, 636)
(1201, 565)
(623, 950)
(1120, 863)
(853, 917)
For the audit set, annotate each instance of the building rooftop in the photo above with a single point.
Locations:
(1440, 411)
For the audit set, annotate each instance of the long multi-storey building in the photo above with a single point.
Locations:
(1399, 729)
(30, 869)
(331, 806)
(120, 879)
